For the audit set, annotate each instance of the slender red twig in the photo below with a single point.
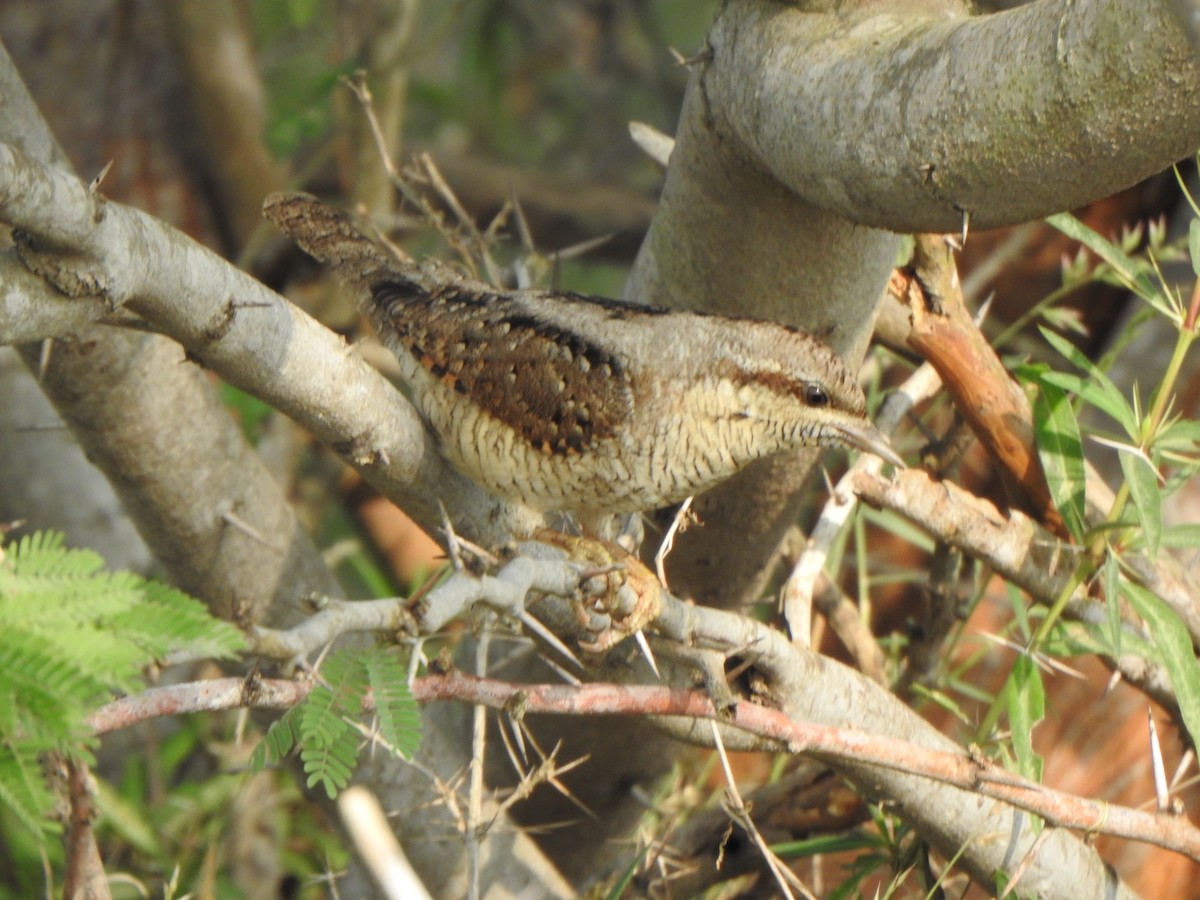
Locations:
(955, 768)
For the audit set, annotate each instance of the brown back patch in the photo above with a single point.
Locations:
(559, 391)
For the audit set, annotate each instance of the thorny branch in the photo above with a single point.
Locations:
(749, 721)
(785, 674)
(998, 411)
(1011, 543)
(85, 246)
(954, 768)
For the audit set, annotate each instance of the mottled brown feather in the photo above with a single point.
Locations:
(560, 391)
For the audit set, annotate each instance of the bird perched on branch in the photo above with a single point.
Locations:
(577, 404)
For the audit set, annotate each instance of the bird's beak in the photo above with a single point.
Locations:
(865, 436)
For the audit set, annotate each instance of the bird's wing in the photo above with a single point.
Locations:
(563, 392)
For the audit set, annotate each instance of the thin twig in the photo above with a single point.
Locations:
(474, 833)
(784, 877)
(668, 541)
(377, 845)
(1162, 794)
(797, 595)
(958, 769)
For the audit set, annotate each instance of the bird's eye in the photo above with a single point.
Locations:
(814, 395)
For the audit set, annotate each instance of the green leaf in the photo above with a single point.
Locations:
(72, 634)
(945, 701)
(130, 820)
(1182, 537)
(1020, 610)
(1076, 270)
(1060, 447)
(110, 624)
(1097, 388)
(1170, 637)
(1065, 318)
(43, 694)
(855, 873)
(827, 843)
(1026, 700)
(1128, 270)
(320, 718)
(1146, 494)
(894, 524)
(277, 742)
(23, 790)
(1182, 435)
(1070, 639)
(1194, 245)
(330, 765)
(624, 881)
(397, 709)
(328, 742)
(1112, 602)
(322, 725)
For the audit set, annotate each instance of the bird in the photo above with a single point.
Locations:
(590, 406)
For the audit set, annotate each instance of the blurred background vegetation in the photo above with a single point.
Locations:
(514, 99)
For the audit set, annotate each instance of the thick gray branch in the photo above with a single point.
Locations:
(995, 836)
(903, 121)
(1187, 14)
(28, 312)
(155, 428)
(244, 332)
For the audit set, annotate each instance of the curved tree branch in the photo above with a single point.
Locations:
(197, 493)
(904, 121)
(244, 332)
